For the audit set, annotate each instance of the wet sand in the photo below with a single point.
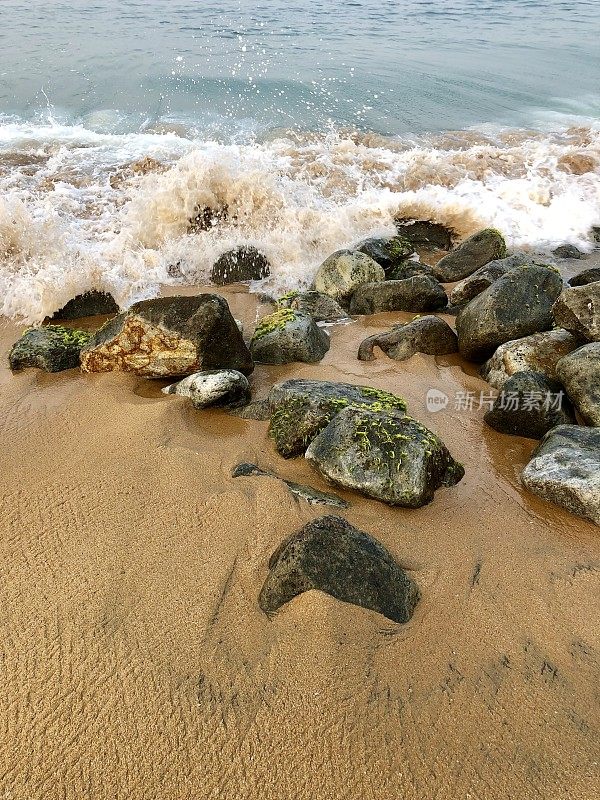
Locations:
(136, 662)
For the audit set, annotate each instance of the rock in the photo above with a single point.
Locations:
(530, 405)
(539, 352)
(206, 218)
(430, 335)
(384, 455)
(321, 307)
(52, 348)
(344, 271)
(312, 496)
(567, 251)
(89, 304)
(474, 253)
(259, 410)
(169, 337)
(244, 263)
(586, 276)
(419, 293)
(287, 336)
(226, 387)
(425, 233)
(565, 469)
(580, 373)
(516, 305)
(578, 310)
(388, 251)
(481, 279)
(408, 269)
(330, 555)
(300, 409)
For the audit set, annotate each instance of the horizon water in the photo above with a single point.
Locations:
(315, 126)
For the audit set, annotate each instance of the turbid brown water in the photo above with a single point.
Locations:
(136, 662)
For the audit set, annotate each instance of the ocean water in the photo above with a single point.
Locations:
(315, 124)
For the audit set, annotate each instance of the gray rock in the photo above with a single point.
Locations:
(226, 387)
(516, 305)
(344, 271)
(565, 469)
(425, 233)
(408, 269)
(300, 409)
(586, 276)
(244, 263)
(169, 337)
(481, 279)
(52, 348)
(259, 410)
(430, 335)
(321, 307)
(419, 293)
(384, 455)
(539, 352)
(312, 496)
(567, 251)
(388, 251)
(530, 405)
(578, 310)
(580, 373)
(89, 304)
(330, 555)
(287, 336)
(475, 252)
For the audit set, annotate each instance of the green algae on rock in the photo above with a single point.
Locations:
(287, 336)
(52, 348)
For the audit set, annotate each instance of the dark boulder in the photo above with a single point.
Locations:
(244, 263)
(530, 405)
(472, 254)
(321, 307)
(408, 269)
(384, 455)
(169, 337)
(287, 336)
(300, 409)
(419, 293)
(586, 276)
(578, 310)
(424, 233)
(331, 556)
(567, 251)
(89, 304)
(430, 335)
(388, 251)
(223, 387)
(516, 305)
(565, 469)
(312, 496)
(580, 373)
(481, 279)
(52, 348)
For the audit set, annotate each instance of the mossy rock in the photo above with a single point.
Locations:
(53, 348)
(287, 336)
(472, 254)
(319, 306)
(388, 251)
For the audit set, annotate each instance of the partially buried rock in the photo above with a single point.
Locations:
(287, 336)
(578, 310)
(430, 335)
(331, 556)
(321, 307)
(169, 337)
(52, 348)
(586, 276)
(226, 387)
(419, 293)
(312, 496)
(530, 405)
(344, 271)
(539, 352)
(565, 469)
(567, 251)
(89, 304)
(389, 251)
(516, 305)
(244, 263)
(580, 373)
(384, 455)
(300, 409)
(425, 233)
(475, 252)
(481, 279)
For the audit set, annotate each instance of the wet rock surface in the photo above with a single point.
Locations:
(89, 304)
(312, 496)
(485, 276)
(591, 275)
(430, 335)
(244, 263)
(419, 293)
(52, 348)
(580, 373)
(287, 336)
(344, 271)
(578, 310)
(475, 252)
(389, 251)
(425, 233)
(321, 307)
(226, 387)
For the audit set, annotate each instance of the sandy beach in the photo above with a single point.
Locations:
(136, 662)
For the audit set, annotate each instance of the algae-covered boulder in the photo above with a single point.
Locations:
(578, 310)
(565, 469)
(90, 304)
(301, 408)
(530, 405)
(333, 557)
(580, 373)
(481, 279)
(419, 293)
(321, 307)
(384, 455)
(388, 251)
(429, 334)
(425, 233)
(586, 276)
(169, 337)
(344, 271)
(244, 263)
(516, 305)
(287, 336)
(475, 252)
(226, 387)
(539, 352)
(52, 348)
